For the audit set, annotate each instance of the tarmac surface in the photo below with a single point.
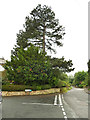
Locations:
(73, 104)
(76, 102)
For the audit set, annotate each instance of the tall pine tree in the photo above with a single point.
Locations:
(41, 29)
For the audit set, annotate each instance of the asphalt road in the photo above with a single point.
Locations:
(41, 106)
(76, 102)
(73, 104)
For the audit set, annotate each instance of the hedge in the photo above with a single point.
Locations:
(14, 87)
(23, 87)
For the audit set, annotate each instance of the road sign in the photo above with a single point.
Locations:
(28, 90)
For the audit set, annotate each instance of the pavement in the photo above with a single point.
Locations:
(73, 104)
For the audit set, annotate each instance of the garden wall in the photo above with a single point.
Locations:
(21, 93)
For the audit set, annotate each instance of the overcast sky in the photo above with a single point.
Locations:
(72, 14)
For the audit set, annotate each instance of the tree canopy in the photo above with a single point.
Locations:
(31, 66)
(62, 64)
(41, 29)
(80, 77)
(30, 63)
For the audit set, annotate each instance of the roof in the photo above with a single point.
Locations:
(2, 61)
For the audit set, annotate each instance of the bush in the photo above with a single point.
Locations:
(5, 82)
(69, 88)
(47, 86)
(15, 87)
(81, 86)
(80, 77)
(62, 83)
(63, 90)
(34, 88)
(59, 84)
(38, 88)
(23, 87)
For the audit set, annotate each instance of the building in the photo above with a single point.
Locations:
(2, 61)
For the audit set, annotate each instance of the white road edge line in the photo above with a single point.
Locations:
(61, 105)
(60, 101)
(63, 109)
(55, 101)
(65, 117)
(64, 113)
(37, 103)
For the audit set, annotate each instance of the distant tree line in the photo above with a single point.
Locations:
(80, 79)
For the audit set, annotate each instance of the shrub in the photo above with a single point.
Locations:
(41, 87)
(80, 77)
(47, 86)
(23, 87)
(63, 90)
(5, 82)
(81, 86)
(15, 87)
(69, 88)
(38, 88)
(62, 83)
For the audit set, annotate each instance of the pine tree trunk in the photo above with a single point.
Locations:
(44, 38)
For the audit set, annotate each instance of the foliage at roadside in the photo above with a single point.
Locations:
(30, 67)
(33, 88)
(81, 79)
(71, 79)
(30, 64)
(23, 87)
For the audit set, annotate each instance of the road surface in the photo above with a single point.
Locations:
(73, 104)
(76, 102)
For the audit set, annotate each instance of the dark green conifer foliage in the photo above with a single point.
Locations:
(41, 29)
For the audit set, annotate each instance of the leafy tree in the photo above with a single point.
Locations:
(30, 67)
(59, 67)
(80, 77)
(41, 29)
(63, 81)
(29, 62)
(86, 81)
(71, 79)
(61, 64)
